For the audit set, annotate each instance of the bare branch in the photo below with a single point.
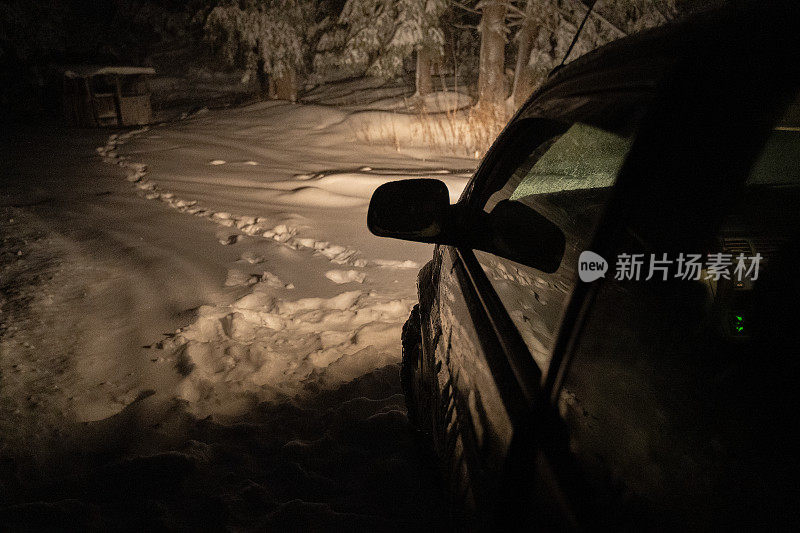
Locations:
(601, 18)
(514, 9)
(484, 3)
(465, 8)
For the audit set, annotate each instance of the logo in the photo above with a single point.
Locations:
(591, 266)
(742, 270)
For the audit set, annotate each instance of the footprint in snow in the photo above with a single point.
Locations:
(251, 257)
(230, 239)
(237, 278)
(271, 280)
(345, 276)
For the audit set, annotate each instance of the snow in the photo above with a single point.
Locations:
(345, 276)
(170, 303)
(298, 158)
(87, 71)
(275, 347)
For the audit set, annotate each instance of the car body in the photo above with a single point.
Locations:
(619, 403)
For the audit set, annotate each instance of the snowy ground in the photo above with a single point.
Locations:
(198, 328)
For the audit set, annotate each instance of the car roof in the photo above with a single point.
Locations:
(639, 63)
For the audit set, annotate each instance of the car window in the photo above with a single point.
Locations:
(779, 160)
(566, 179)
(583, 157)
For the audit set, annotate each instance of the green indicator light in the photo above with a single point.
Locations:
(738, 323)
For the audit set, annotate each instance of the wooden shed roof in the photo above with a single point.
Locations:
(85, 71)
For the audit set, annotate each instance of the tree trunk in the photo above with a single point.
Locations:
(286, 86)
(491, 75)
(263, 80)
(424, 80)
(523, 78)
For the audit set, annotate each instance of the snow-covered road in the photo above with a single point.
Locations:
(219, 266)
(124, 270)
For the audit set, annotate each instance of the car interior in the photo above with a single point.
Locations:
(678, 397)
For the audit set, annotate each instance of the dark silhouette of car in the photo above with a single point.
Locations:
(663, 394)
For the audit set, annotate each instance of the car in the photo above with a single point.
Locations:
(606, 336)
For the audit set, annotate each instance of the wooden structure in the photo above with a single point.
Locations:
(107, 96)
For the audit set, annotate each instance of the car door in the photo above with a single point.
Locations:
(493, 321)
(672, 388)
(676, 392)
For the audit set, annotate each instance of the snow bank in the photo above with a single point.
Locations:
(463, 132)
(380, 95)
(436, 102)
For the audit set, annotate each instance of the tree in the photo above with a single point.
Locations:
(375, 36)
(418, 29)
(492, 86)
(548, 27)
(268, 37)
(367, 27)
(31, 35)
(527, 75)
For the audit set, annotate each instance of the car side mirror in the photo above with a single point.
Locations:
(412, 210)
(419, 210)
(522, 234)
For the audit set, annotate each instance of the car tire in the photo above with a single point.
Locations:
(409, 365)
(449, 461)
